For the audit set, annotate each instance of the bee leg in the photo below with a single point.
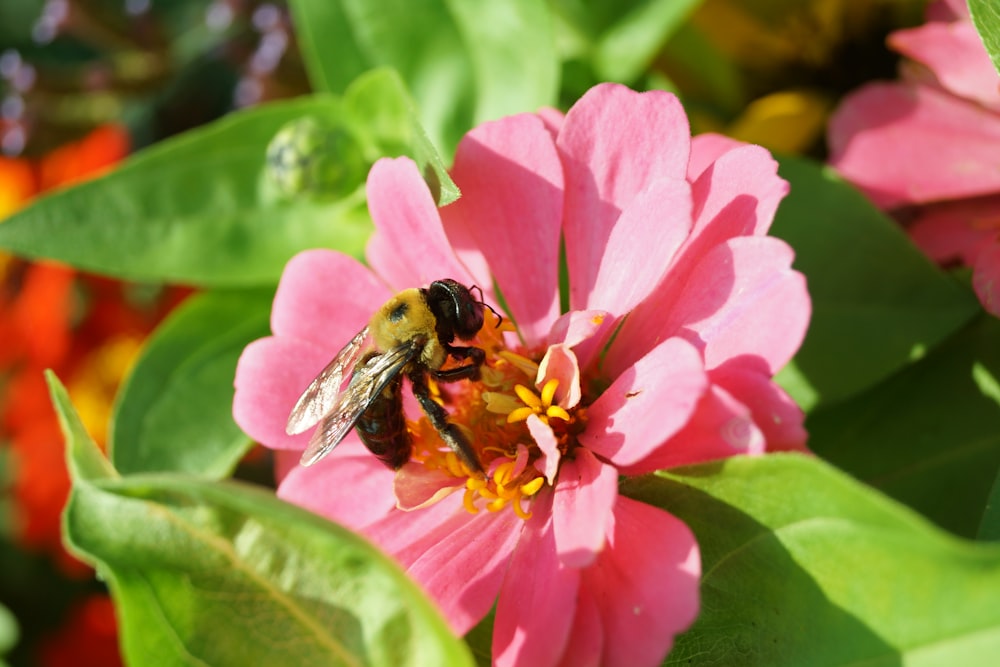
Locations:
(438, 417)
(477, 355)
(469, 371)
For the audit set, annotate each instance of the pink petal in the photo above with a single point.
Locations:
(464, 571)
(614, 143)
(271, 375)
(543, 436)
(914, 144)
(459, 558)
(379, 253)
(706, 149)
(586, 331)
(646, 404)
(773, 411)
(954, 52)
(720, 427)
(986, 278)
(744, 298)
(576, 326)
(349, 486)
(586, 640)
(511, 210)
(325, 297)
(417, 486)
(408, 535)
(737, 195)
(645, 584)
(559, 363)
(412, 249)
(471, 256)
(535, 607)
(653, 225)
(581, 510)
(956, 230)
(552, 119)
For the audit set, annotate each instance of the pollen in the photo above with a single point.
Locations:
(493, 413)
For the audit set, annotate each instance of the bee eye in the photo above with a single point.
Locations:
(468, 313)
(473, 319)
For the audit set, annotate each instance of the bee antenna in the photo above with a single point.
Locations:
(483, 303)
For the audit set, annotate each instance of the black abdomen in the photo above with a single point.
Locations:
(382, 427)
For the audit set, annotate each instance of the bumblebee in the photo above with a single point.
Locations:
(411, 336)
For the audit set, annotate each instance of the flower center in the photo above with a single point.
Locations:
(494, 414)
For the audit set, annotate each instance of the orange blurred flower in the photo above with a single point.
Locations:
(87, 638)
(86, 328)
(89, 157)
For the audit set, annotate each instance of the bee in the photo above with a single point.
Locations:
(411, 336)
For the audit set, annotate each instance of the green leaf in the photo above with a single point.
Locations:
(801, 565)
(386, 122)
(986, 16)
(878, 302)
(174, 411)
(627, 48)
(211, 573)
(208, 207)
(191, 209)
(480, 639)
(712, 80)
(84, 458)
(464, 61)
(9, 631)
(989, 527)
(929, 436)
(224, 574)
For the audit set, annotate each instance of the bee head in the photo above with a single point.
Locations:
(458, 312)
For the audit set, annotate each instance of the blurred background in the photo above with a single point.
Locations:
(85, 82)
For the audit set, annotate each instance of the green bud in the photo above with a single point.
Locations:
(313, 156)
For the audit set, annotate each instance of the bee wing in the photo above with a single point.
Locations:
(368, 382)
(322, 393)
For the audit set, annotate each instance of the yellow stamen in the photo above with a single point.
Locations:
(519, 511)
(496, 505)
(520, 415)
(468, 501)
(502, 474)
(508, 494)
(532, 487)
(549, 391)
(455, 467)
(527, 396)
(522, 363)
(556, 411)
(500, 403)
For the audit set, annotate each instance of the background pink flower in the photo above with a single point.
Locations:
(667, 231)
(926, 146)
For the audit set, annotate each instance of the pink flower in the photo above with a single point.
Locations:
(925, 147)
(667, 231)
